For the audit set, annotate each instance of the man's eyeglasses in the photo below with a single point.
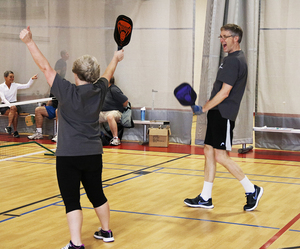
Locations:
(224, 37)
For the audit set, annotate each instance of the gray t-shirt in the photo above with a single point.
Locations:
(233, 71)
(78, 116)
(62, 66)
(114, 99)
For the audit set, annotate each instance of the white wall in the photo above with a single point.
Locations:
(199, 36)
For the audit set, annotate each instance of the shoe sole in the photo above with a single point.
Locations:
(198, 206)
(9, 133)
(258, 198)
(104, 239)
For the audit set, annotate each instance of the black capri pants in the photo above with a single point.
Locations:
(71, 170)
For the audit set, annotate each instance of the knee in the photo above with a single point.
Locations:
(13, 108)
(110, 118)
(208, 151)
(38, 110)
(220, 157)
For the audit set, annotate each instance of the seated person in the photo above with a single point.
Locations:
(48, 111)
(113, 107)
(8, 95)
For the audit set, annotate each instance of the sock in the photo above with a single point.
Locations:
(248, 186)
(39, 130)
(206, 191)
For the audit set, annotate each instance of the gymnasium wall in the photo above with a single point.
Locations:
(278, 85)
(159, 57)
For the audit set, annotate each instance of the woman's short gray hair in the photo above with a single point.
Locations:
(87, 68)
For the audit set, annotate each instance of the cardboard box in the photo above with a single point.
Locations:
(159, 137)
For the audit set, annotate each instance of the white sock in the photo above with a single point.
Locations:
(248, 186)
(206, 191)
(39, 130)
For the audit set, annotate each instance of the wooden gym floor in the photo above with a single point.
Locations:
(146, 188)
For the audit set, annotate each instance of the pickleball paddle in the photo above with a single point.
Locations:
(185, 94)
(123, 30)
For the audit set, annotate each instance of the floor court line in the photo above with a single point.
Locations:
(133, 172)
(221, 172)
(57, 203)
(189, 218)
(230, 178)
(281, 231)
(266, 245)
(202, 158)
(15, 157)
(147, 167)
(30, 204)
(156, 171)
(226, 172)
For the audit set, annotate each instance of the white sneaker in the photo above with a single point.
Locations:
(36, 135)
(115, 141)
(54, 139)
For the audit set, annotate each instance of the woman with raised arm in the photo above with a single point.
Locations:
(79, 148)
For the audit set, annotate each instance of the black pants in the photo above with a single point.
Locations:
(71, 170)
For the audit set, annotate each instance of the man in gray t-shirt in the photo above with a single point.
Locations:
(61, 65)
(113, 107)
(223, 107)
(233, 70)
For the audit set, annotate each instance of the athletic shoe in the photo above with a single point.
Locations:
(106, 236)
(115, 141)
(16, 134)
(72, 246)
(54, 139)
(199, 202)
(8, 130)
(36, 135)
(253, 198)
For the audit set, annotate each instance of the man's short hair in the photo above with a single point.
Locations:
(63, 52)
(234, 29)
(6, 73)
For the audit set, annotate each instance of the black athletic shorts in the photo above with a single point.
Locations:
(4, 109)
(219, 131)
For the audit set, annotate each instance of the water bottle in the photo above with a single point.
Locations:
(143, 112)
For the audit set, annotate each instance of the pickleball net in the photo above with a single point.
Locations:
(14, 147)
